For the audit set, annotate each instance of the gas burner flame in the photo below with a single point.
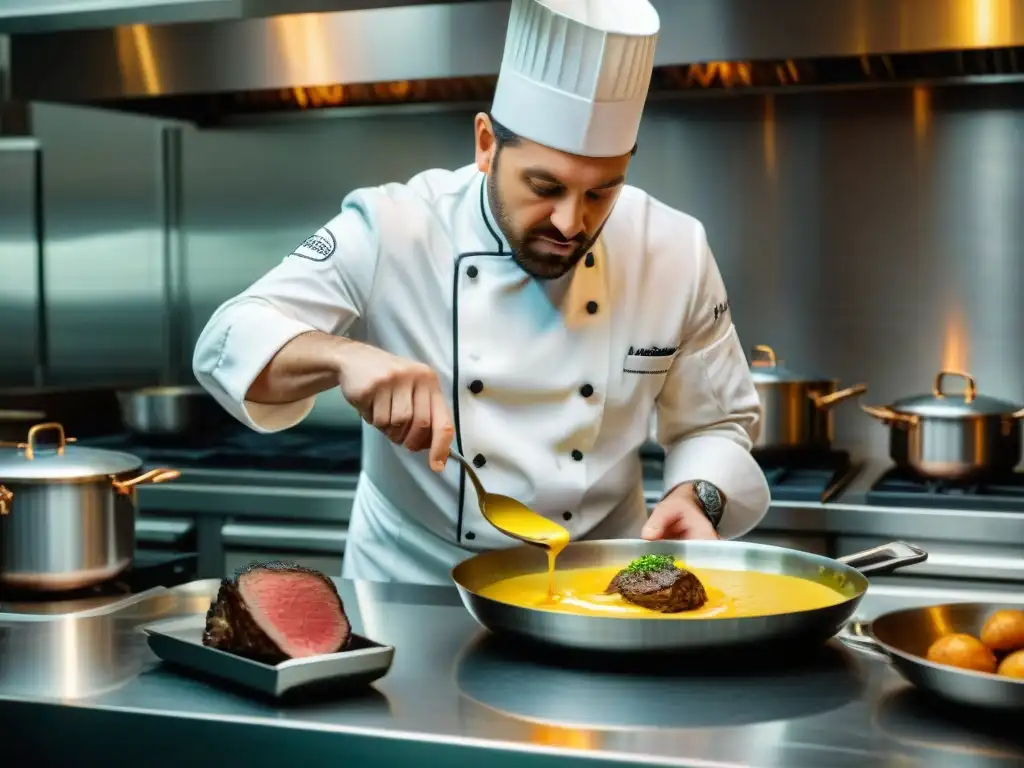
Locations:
(955, 355)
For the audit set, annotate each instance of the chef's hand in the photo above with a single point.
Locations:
(679, 516)
(400, 397)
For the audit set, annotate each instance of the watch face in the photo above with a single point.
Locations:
(710, 500)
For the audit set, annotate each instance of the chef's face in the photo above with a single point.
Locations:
(550, 205)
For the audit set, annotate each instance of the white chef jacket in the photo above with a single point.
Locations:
(552, 384)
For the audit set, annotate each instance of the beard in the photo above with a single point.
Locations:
(537, 263)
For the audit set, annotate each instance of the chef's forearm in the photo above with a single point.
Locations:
(307, 365)
(725, 461)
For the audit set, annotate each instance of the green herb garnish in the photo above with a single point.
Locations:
(651, 563)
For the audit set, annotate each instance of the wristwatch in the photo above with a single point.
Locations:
(710, 500)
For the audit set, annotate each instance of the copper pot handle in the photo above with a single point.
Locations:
(30, 443)
(5, 499)
(970, 389)
(835, 398)
(887, 415)
(765, 350)
(160, 475)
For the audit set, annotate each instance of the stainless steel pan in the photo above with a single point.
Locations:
(171, 412)
(903, 638)
(597, 633)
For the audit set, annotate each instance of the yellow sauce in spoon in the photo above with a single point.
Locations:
(516, 518)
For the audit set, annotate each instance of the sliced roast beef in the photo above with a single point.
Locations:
(656, 583)
(274, 611)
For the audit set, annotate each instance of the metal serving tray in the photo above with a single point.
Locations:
(179, 643)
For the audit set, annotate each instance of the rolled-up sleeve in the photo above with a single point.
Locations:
(708, 411)
(324, 285)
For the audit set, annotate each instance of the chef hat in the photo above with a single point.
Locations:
(575, 73)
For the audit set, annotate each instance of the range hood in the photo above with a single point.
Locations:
(219, 61)
(21, 16)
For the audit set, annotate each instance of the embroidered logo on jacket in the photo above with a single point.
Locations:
(649, 360)
(721, 309)
(652, 351)
(317, 247)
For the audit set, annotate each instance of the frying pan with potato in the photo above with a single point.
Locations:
(968, 653)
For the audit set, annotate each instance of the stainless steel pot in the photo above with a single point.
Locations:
(69, 519)
(184, 411)
(796, 409)
(958, 436)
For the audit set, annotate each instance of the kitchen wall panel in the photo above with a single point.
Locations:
(251, 196)
(871, 236)
(103, 251)
(19, 260)
(921, 219)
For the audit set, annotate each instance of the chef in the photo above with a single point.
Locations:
(531, 307)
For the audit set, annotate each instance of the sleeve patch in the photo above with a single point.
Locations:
(317, 247)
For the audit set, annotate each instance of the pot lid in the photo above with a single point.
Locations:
(765, 368)
(949, 401)
(37, 461)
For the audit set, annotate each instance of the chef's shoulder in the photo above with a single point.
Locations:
(671, 239)
(677, 263)
(400, 213)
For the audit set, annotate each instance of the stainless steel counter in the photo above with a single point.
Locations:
(456, 697)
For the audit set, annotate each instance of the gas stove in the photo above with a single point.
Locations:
(148, 574)
(898, 488)
(812, 476)
(304, 450)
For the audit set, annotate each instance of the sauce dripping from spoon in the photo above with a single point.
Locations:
(517, 520)
(523, 523)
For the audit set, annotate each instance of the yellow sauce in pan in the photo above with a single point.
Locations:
(731, 594)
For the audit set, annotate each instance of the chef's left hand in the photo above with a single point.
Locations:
(679, 516)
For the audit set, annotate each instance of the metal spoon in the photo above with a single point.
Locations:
(512, 517)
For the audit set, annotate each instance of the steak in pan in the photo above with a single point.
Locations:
(655, 582)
